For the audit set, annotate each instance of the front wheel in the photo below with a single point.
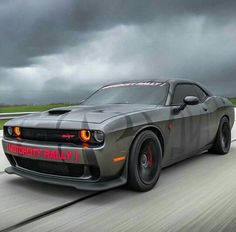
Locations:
(223, 138)
(144, 162)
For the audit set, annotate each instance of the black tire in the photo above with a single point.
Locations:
(144, 162)
(223, 138)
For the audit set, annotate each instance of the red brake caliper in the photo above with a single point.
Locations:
(149, 157)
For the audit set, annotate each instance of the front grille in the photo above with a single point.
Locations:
(58, 168)
(55, 168)
(50, 135)
(63, 136)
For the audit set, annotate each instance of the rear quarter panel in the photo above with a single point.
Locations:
(218, 107)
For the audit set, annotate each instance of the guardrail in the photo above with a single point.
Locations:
(5, 116)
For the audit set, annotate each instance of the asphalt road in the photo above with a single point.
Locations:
(198, 194)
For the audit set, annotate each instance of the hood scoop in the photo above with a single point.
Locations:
(58, 112)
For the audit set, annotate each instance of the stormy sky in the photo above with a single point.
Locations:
(62, 50)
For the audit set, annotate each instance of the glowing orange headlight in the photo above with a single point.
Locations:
(85, 135)
(17, 131)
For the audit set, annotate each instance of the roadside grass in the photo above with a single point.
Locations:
(2, 122)
(29, 108)
(233, 100)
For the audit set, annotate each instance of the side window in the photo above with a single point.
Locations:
(200, 93)
(183, 90)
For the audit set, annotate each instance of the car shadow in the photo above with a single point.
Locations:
(44, 188)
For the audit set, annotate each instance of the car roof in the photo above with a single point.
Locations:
(173, 81)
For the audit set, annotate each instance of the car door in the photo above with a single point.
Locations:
(189, 125)
(205, 137)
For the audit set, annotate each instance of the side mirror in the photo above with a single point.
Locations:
(188, 100)
(191, 100)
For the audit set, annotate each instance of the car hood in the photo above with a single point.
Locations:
(92, 114)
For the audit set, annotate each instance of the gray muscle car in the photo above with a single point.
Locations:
(124, 133)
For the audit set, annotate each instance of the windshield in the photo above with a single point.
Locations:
(149, 93)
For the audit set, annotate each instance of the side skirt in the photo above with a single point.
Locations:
(192, 154)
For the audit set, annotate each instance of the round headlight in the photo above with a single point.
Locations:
(10, 130)
(85, 135)
(98, 136)
(17, 131)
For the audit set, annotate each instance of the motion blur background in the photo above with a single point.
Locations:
(61, 50)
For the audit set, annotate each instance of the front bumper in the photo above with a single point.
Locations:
(67, 181)
(98, 159)
(36, 160)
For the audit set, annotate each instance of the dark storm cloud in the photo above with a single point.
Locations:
(33, 28)
(59, 50)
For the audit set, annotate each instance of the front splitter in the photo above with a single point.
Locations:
(71, 182)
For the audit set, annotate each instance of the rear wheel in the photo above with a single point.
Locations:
(223, 138)
(144, 162)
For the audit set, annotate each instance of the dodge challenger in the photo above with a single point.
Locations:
(123, 134)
